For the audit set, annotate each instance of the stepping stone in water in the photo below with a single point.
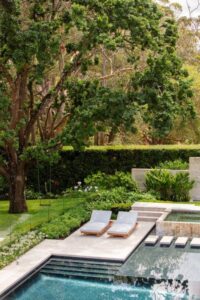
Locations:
(151, 240)
(166, 240)
(181, 241)
(195, 243)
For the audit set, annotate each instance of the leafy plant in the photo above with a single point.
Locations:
(106, 182)
(177, 164)
(117, 196)
(31, 194)
(65, 224)
(168, 186)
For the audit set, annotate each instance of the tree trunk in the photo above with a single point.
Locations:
(17, 189)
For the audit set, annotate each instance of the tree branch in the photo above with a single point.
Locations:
(49, 97)
(7, 75)
(117, 73)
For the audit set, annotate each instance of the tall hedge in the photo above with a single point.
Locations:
(74, 166)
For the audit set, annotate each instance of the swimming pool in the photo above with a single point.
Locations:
(72, 279)
(44, 287)
(151, 272)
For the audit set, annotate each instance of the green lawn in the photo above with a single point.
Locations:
(37, 214)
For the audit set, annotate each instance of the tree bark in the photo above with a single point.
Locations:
(17, 189)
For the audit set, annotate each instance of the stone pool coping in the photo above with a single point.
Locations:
(77, 246)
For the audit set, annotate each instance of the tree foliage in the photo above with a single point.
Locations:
(49, 90)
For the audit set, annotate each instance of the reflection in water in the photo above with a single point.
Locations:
(168, 269)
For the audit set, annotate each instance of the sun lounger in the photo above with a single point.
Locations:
(124, 225)
(98, 224)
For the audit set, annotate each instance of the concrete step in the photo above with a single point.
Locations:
(77, 274)
(146, 208)
(147, 219)
(149, 214)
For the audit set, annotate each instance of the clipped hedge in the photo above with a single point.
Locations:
(74, 166)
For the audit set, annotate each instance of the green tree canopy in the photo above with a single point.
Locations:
(49, 91)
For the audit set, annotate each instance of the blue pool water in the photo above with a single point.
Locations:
(45, 287)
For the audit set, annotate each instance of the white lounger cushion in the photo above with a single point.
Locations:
(102, 216)
(125, 222)
(98, 222)
(93, 227)
(120, 229)
(125, 217)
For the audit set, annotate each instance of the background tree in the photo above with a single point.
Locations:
(49, 51)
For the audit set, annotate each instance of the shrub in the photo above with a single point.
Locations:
(121, 207)
(107, 182)
(116, 196)
(177, 164)
(169, 187)
(141, 197)
(31, 194)
(63, 225)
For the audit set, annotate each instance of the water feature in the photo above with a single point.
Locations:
(170, 268)
(179, 216)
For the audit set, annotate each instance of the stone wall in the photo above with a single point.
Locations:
(194, 170)
(189, 229)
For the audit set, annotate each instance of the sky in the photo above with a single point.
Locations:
(193, 4)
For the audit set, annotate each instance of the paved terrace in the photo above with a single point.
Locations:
(89, 247)
(76, 245)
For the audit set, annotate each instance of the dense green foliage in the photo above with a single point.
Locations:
(66, 223)
(106, 182)
(167, 186)
(177, 164)
(75, 166)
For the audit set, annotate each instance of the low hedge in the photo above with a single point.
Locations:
(74, 166)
